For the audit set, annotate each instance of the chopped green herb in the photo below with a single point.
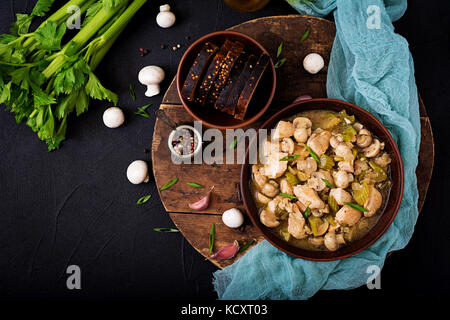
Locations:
(132, 94)
(286, 195)
(328, 183)
(168, 184)
(290, 157)
(304, 36)
(280, 48)
(144, 199)
(280, 63)
(307, 212)
(142, 111)
(245, 247)
(233, 144)
(212, 232)
(195, 185)
(166, 230)
(312, 154)
(356, 206)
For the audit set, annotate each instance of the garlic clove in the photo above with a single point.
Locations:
(227, 252)
(203, 203)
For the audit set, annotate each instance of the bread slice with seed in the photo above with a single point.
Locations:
(250, 87)
(221, 103)
(235, 93)
(224, 72)
(212, 71)
(197, 70)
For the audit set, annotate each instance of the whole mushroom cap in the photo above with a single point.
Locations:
(233, 218)
(313, 63)
(165, 18)
(151, 75)
(113, 117)
(137, 172)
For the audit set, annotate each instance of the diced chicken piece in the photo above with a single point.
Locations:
(325, 175)
(383, 161)
(269, 219)
(301, 151)
(309, 165)
(346, 165)
(342, 179)
(330, 241)
(316, 241)
(270, 189)
(319, 141)
(308, 196)
(286, 187)
(341, 196)
(284, 129)
(347, 215)
(287, 145)
(271, 147)
(344, 150)
(296, 224)
(275, 168)
(316, 183)
(373, 202)
(360, 166)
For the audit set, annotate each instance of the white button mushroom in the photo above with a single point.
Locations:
(137, 172)
(233, 218)
(313, 63)
(165, 18)
(113, 117)
(151, 76)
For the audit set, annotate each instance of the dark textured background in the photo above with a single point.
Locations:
(75, 205)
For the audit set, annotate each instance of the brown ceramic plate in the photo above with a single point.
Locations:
(393, 202)
(262, 97)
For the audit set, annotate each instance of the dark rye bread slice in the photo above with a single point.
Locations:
(224, 72)
(233, 97)
(211, 73)
(221, 103)
(250, 87)
(197, 70)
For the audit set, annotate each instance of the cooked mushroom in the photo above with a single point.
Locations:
(269, 219)
(262, 198)
(364, 138)
(342, 179)
(309, 165)
(270, 189)
(319, 141)
(302, 129)
(287, 145)
(347, 215)
(373, 202)
(284, 129)
(372, 150)
(323, 227)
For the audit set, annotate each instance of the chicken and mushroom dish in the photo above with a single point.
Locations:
(324, 180)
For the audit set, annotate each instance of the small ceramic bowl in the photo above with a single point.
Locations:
(393, 201)
(262, 97)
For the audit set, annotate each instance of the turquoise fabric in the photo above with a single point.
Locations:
(371, 68)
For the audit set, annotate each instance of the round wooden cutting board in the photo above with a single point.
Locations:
(292, 81)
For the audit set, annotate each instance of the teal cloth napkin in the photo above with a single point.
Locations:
(372, 68)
